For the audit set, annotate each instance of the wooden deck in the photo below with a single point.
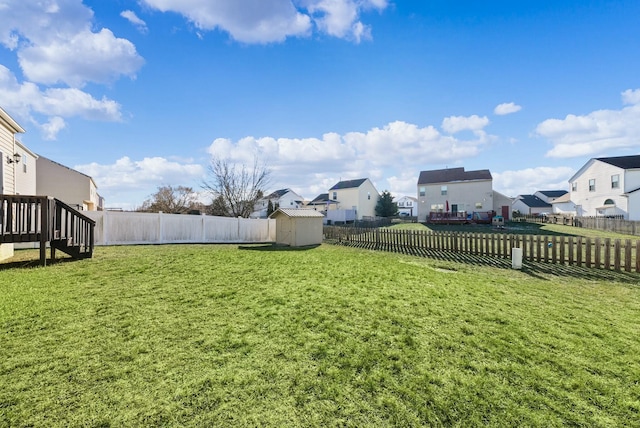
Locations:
(46, 220)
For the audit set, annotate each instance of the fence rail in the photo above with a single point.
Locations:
(613, 254)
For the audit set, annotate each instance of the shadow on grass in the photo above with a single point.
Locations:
(511, 228)
(539, 270)
(33, 263)
(276, 247)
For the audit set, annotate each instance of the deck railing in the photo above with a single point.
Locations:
(46, 220)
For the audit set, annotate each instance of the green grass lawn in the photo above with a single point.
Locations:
(517, 228)
(197, 335)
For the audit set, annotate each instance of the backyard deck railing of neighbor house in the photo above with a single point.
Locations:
(47, 221)
(616, 254)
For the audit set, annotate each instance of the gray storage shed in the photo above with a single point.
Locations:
(298, 228)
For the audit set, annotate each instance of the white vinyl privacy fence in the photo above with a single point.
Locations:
(129, 228)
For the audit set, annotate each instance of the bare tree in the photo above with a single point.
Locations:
(235, 186)
(168, 199)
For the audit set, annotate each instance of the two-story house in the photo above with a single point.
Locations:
(458, 192)
(531, 205)
(72, 187)
(282, 198)
(407, 206)
(608, 186)
(359, 196)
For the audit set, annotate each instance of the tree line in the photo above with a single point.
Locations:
(234, 190)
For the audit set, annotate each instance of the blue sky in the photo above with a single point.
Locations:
(140, 94)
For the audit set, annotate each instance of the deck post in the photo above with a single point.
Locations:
(44, 229)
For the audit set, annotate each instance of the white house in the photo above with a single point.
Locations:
(608, 186)
(358, 195)
(458, 192)
(283, 198)
(72, 187)
(564, 205)
(407, 205)
(10, 160)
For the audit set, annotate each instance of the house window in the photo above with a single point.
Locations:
(443, 190)
(423, 190)
(478, 205)
(368, 195)
(437, 207)
(615, 181)
(609, 202)
(592, 185)
(574, 186)
(335, 196)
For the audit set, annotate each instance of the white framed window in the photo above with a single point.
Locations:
(478, 205)
(368, 195)
(615, 181)
(422, 190)
(335, 196)
(443, 190)
(592, 184)
(574, 186)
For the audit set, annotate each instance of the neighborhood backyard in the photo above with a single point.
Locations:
(254, 335)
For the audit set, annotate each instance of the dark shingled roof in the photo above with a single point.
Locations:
(278, 194)
(624, 162)
(553, 193)
(452, 174)
(322, 197)
(534, 201)
(348, 184)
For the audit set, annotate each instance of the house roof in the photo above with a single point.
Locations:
(292, 212)
(449, 175)
(533, 201)
(624, 162)
(278, 193)
(12, 124)
(348, 184)
(553, 193)
(26, 149)
(564, 198)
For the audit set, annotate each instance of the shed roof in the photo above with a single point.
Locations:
(292, 212)
(449, 175)
(348, 184)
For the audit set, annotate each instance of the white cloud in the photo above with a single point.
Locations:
(266, 21)
(26, 100)
(506, 108)
(55, 43)
(597, 132)
(131, 16)
(530, 180)
(455, 124)
(318, 163)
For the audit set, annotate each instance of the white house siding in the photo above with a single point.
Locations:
(70, 186)
(522, 208)
(464, 194)
(500, 201)
(634, 205)
(26, 171)
(407, 205)
(587, 202)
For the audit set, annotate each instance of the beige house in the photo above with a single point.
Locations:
(298, 227)
(72, 187)
(455, 191)
(358, 195)
(26, 171)
(9, 161)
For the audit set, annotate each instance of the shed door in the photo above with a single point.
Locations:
(505, 212)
